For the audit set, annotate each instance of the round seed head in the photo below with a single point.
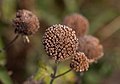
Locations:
(60, 42)
(91, 47)
(78, 22)
(25, 22)
(79, 62)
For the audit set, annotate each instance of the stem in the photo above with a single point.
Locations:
(9, 44)
(54, 73)
(63, 73)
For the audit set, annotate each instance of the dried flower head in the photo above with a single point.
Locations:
(91, 47)
(25, 22)
(79, 62)
(78, 22)
(60, 42)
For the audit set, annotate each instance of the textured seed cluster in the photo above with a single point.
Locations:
(25, 22)
(91, 47)
(79, 62)
(60, 42)
(78, 22)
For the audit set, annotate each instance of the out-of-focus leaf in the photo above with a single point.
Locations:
(91, 77)
(2, 55)
(48, 17)
(71, 5)
(101, 19)
(43, 73)
(8, 7)
(67, 78)
(4, 77)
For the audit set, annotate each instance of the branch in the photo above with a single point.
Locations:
(54, 73)
(9, 44)
(63, 73)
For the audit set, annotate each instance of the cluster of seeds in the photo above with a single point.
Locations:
(25, 22)
(60, 42)
(79, 62)
(91, 47)
(78, 23)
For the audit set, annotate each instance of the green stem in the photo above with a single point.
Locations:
(63, 73)
(54, 73)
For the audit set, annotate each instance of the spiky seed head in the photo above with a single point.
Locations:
(91, 47)
(25, 22)
(60, 42)
(78, 22)
(79, 62)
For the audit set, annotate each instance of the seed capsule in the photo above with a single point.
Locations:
(79, 62)
(78, 22)
(60, 42)
(91, 47)
(25, 22)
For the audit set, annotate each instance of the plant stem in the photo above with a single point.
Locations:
(9, 44)
(54, 73)
(63, 73)
(54, 77)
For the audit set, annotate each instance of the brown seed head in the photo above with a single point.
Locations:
(79, 62)
(60, 42)
(78, 22)
(25, 22)
(91, 47)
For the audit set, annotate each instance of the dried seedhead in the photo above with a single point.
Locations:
(79, 62)
(25, 22)
(91, 47)
(60, 42)
(78, 22)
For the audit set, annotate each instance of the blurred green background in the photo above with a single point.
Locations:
(23, 60)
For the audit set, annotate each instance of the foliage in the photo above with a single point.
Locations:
(102, 14)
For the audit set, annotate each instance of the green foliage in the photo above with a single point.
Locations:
(2, 55)
(43, 73)
(8, 7)
(99, 13)
(4, 77)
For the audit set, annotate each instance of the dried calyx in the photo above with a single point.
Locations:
(79, 62)
(25, 23)
(60, 42)
(78, 22)
(91, 47)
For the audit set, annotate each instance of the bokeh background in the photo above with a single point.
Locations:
(23, 60)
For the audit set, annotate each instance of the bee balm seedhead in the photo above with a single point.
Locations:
(91, 47)
(78, 22)
(79, 62)
(60, 42)
(25, 22)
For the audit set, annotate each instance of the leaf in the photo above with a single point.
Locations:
(2, 55)
(43, 73)
(4, 77)
(8, 7)
(101, 19)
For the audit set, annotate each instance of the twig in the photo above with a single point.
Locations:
(54, 77)
(54, 73)
(9, 44)
(63, 73)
